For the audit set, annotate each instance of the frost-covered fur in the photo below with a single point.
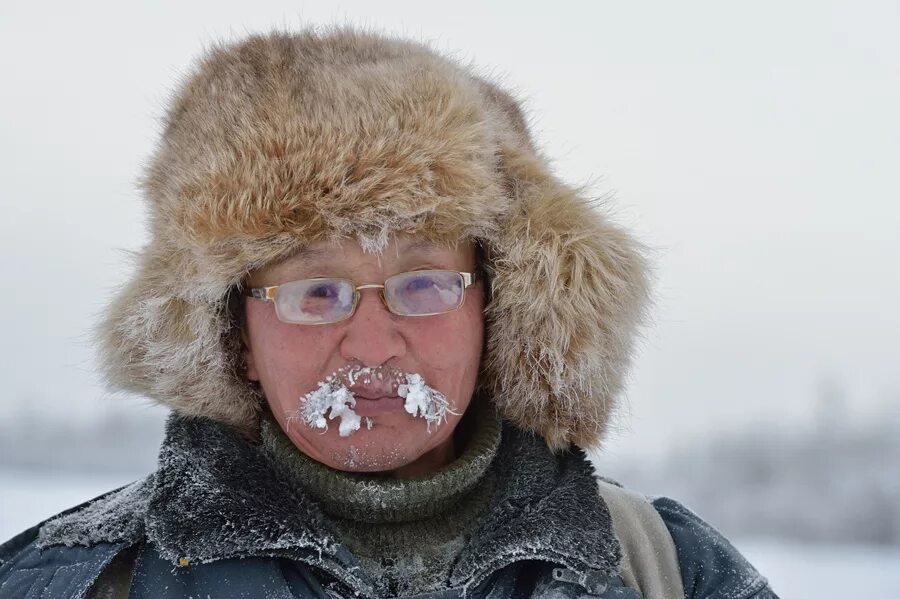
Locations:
(217, 496)
(117, 516)
(285, 139)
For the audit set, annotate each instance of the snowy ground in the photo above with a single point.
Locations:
(795, 571)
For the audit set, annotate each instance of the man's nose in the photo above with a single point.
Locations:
(372, 336)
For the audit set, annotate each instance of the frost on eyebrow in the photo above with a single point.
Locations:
(316, 256)
(333, 399)
(423, 246)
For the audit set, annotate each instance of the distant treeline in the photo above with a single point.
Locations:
(119, 439)
(829, 482)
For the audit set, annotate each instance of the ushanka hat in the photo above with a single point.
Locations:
(284, 139)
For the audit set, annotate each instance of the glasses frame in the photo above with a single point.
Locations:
(270, 293)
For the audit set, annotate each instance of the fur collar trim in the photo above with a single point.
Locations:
(215, 496)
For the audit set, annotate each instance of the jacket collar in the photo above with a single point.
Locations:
(546, 507)
(216, 496)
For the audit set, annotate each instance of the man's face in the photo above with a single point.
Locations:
(291, 360)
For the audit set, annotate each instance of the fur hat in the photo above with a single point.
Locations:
(285, 139)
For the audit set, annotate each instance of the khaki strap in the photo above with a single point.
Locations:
(649, 558)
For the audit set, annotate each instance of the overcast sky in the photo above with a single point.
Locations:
(755, 146)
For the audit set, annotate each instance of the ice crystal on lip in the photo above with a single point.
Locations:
(333, 398)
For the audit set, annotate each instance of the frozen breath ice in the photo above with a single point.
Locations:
(333, 399)
(422, 400)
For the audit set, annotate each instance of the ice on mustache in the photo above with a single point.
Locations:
(334, 399)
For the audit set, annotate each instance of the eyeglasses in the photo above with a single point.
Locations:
(330, 300)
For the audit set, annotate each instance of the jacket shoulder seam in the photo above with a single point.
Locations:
(752, 588)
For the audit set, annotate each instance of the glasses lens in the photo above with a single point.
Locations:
(314, 301)
(424, 292)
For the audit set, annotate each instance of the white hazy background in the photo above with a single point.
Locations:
(754, 146)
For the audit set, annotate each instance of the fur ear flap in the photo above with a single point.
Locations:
(156, 341)
(570, 289)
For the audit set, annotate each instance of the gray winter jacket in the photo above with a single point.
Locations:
(215, 520)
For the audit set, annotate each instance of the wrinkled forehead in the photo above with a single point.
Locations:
(403, 251)
(402, 244)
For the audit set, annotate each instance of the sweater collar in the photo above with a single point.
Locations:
(379, 499)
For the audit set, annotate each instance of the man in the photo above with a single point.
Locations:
(385, 329)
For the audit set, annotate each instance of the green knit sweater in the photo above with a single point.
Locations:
(407, 533)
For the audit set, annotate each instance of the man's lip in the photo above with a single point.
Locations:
(374, 397)
(374, 392)
(377, 407)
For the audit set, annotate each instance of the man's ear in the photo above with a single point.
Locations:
(249, 358)
(237, 308)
